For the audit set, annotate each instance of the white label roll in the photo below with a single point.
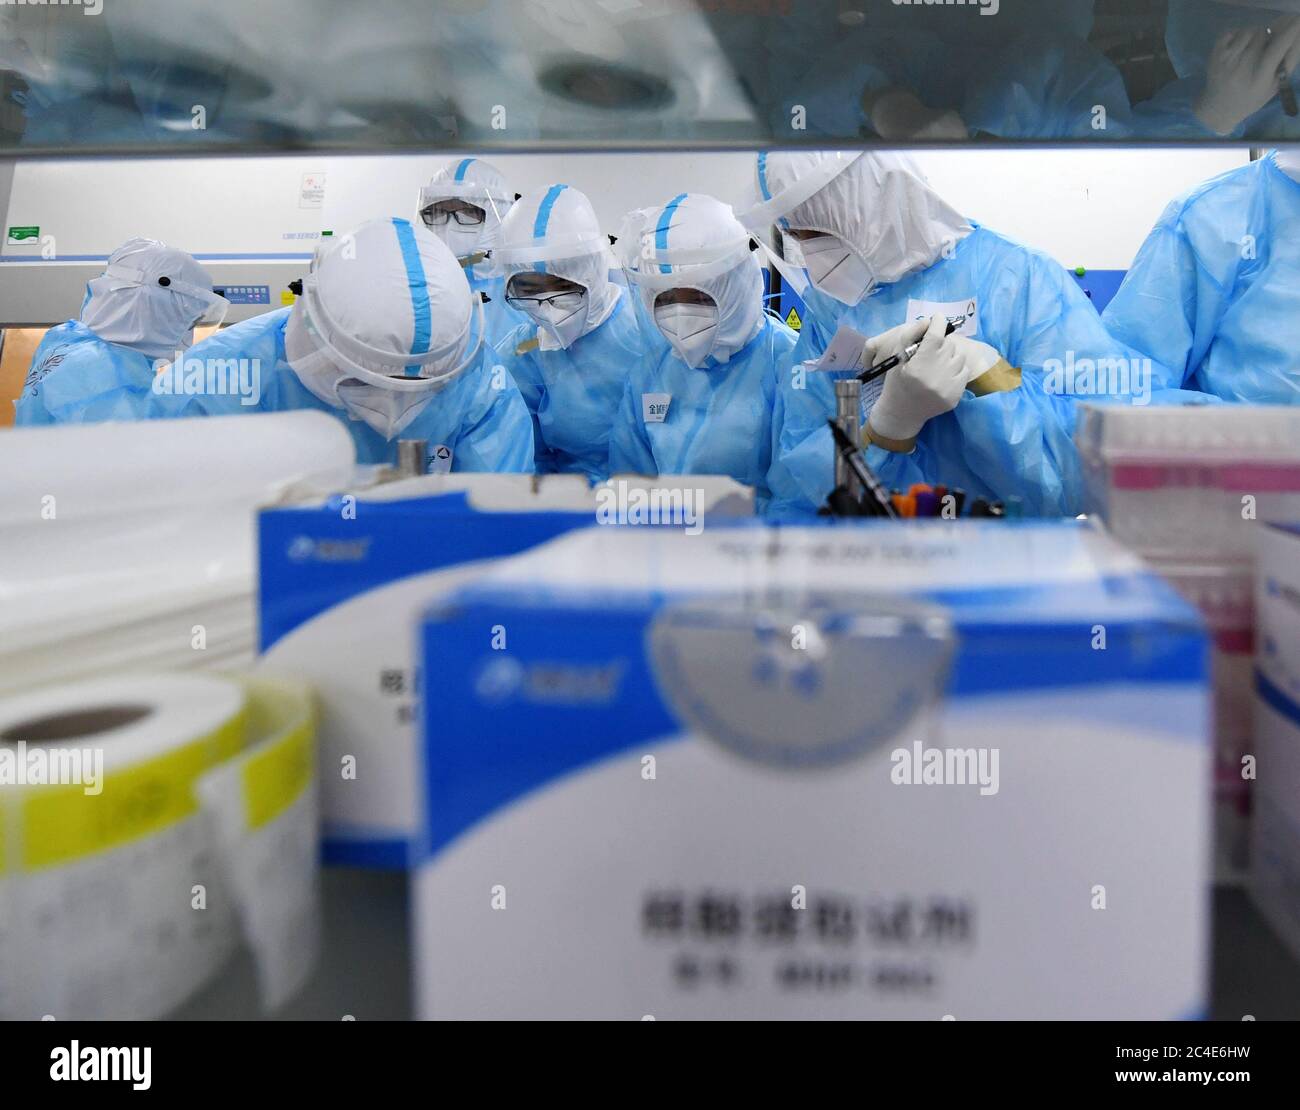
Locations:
(143, 820)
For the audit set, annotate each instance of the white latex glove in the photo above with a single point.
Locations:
(1242, 73)
(898, 114)
(894, 341)
(928, 386)
(979, 357)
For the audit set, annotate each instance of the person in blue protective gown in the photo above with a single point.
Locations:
(1238, 67)
(463, 205)
(702, 404)
(139, 313)
(386, 337)
(1214, 295)
(571, 359)
(873, 247)
(922, 72)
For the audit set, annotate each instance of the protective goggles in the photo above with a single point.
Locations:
(433, 216)
(568, 300)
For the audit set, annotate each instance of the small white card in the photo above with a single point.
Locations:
(438, 460)
(953, 310)
(844, 355)
(654, 407)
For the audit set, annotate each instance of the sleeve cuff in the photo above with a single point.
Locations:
(872, 438)
(1002, 378)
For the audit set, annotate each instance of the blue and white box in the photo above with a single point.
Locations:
(342, 586)
(879, 771)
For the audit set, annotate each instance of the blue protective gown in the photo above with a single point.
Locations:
(498, 317)
(1214, 295)
(78, 378)
(482, 422)
(1193, 28)
(719, 418)
(998, 446)
(574, 394)
(1029, 73)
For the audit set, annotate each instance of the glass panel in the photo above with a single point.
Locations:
(86, 76)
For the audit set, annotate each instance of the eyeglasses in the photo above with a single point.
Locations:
(433, 216)
(570, 299)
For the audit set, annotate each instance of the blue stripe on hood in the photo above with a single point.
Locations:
(661, 231)
(421, 313)
(544, 218)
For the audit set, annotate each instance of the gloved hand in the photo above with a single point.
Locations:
(979, 357)
(1242, 73)
(928, 386)
(898, 114)
(894, 341)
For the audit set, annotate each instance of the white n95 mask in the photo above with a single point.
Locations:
(691, 330)
(835, 270)
(463, 241)
(388, 411)
(564, 319)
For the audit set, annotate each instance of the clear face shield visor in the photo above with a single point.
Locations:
(354, 361)
(773, 212)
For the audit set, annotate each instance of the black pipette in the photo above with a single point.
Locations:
(881, 368)
(862, 472)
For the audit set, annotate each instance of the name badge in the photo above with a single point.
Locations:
(654, 407)
(953, 310)
(438, 460)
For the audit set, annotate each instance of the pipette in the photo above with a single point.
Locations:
(850, 452)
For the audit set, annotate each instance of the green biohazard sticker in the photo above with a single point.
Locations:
(24, 234)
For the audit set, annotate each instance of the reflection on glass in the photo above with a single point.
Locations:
(147, 74)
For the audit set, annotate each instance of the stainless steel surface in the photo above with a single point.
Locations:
(848, 408)
(410, 457)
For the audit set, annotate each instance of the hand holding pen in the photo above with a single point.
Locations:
(917, 328)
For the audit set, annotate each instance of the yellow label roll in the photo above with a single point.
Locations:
(146, 825)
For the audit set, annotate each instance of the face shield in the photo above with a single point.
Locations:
(553, 234)
(464, 205)
(699, 284)
(384, 326)
(850, 222)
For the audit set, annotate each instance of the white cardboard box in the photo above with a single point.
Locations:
(1275, 870)
(695, 777)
